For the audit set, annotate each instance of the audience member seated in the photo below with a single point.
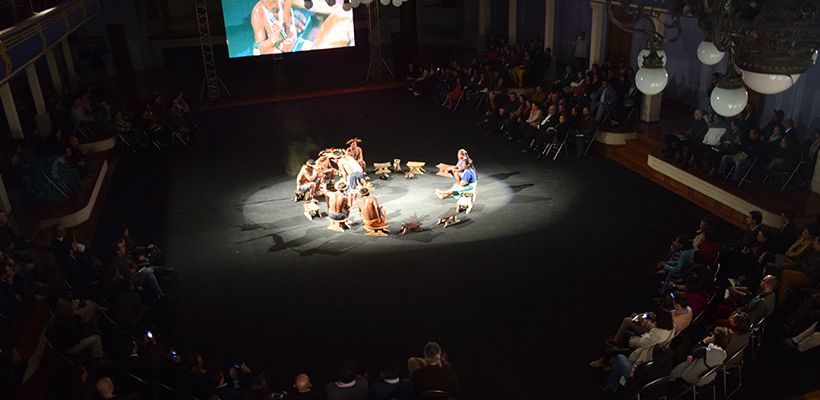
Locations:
(603, 101)
(628, 378)
(390, 385)
(757, 307)
(349, 385)
(703, 358)
(680, 143)
(140, 274)
(433, 372)
(739, 330)
(149, 252)
(302, 389)
(642, 332)
(803, 273)
(749, 149)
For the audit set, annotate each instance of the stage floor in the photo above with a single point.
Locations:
(521, 293)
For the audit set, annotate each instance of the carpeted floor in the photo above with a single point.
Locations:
(521, 294)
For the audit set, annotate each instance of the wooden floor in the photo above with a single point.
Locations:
(633, 155)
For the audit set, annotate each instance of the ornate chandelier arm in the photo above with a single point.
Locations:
(637, 13)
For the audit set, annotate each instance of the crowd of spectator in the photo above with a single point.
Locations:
(51, 169)
(524, 102)
(105, 333)
(739, 149)
(712, 303)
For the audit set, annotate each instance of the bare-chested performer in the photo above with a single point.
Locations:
(356, 152)
(274, 29)
(373, 215)
(338, 205)
(324, 170)
(350, 169)
(306, 181)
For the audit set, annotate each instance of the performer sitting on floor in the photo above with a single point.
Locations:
(338, 206)
(465, 181)
(373, 215)
(306, 181)
(356, 152)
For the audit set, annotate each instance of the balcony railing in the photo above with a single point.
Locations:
(30, 39)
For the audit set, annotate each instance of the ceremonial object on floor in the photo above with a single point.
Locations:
(379, 230)
(465, 202)
(298, 196)
(410, 226)
(382, 170)
(448, 218)
(396, 165)
(312, 210)
(338, 226)
(444, 170)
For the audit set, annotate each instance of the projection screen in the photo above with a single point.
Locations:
(260, 27)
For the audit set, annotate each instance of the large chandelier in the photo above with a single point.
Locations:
(770, 43)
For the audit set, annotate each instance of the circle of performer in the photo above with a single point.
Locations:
(339, 176)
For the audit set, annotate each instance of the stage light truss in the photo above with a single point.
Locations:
(377, 68)
(212, 85)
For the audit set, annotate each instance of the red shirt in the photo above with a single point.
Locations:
(709, 250)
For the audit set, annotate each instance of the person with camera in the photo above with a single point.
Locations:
(642, 333)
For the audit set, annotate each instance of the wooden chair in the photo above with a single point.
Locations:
(312, 210)
(444, 170)
(382, 170)
(416, 167)
(338, 225)
(376, 230)
(467, 200)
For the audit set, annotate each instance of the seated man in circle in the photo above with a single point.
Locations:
(465, 182)
(373, 215)
(306, 180)
(338, 206)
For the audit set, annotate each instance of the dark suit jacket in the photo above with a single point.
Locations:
(786, 236)
(433, 377)
(358, 391)
(748, 238)
(403, 390)
(60, 248)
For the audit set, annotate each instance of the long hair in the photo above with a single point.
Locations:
(468, 162)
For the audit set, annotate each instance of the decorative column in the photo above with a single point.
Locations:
(69, 64)
(815, 180)
(651, 105)
(11, 111)
(54, 71)
(596, 34)
(5, 203)
(549, 25)
(484, 9)
(42, 118)
(512, 21)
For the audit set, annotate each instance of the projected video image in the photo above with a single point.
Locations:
(259, 27)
